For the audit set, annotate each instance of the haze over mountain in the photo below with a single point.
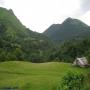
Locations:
(68, 30)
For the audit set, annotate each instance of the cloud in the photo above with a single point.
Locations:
(1, 2)
(85, 18)
(39, 14)
(85, 5)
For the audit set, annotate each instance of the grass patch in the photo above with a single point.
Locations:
(35, 76)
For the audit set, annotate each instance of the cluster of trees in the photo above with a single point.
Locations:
(68, 51)
(34, 48)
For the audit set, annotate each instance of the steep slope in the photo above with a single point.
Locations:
(18, 42)
(68, 30)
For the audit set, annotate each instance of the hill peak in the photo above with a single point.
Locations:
(73, 21)
(68, 30)
(70, 20)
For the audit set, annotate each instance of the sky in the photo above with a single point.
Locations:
(38, 15)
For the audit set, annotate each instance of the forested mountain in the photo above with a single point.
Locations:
(68, 30)
(18, 42)
(72, 38)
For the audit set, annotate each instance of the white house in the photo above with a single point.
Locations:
(82, 62)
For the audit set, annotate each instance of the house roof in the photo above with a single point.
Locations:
(82, 60)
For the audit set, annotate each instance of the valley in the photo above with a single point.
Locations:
(39, 61)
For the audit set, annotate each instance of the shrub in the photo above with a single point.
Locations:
(72, 81)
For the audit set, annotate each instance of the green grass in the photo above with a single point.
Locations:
(34, 76)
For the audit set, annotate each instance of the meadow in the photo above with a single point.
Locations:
(20, 75)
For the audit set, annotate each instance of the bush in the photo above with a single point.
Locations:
(72, 81)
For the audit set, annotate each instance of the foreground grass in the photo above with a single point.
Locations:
(32, 76)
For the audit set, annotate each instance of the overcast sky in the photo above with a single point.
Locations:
(38, 15)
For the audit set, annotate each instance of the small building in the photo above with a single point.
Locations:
(82, 62)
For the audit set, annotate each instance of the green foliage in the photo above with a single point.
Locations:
(68, 51)
(18, 42)
(68, 30)
(36, 76)
(73, 81)
(72, 39)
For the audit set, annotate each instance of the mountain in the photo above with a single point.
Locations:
(18, 42)
(70, 29)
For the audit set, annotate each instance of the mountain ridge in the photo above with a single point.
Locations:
(69, 29)
(18, 42)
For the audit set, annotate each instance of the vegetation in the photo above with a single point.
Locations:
(73, 81)
(18, 42)
(68, 51)
(32, 76)
(68, 30)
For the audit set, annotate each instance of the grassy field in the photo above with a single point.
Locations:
(32, 76)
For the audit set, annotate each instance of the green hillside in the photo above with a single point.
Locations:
(18, 42)
(68, 30)
(69, 51)
(32, 76)
(72, 39)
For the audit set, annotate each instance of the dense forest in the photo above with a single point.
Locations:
(18, 42)
(68, 51)
(60, 42)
